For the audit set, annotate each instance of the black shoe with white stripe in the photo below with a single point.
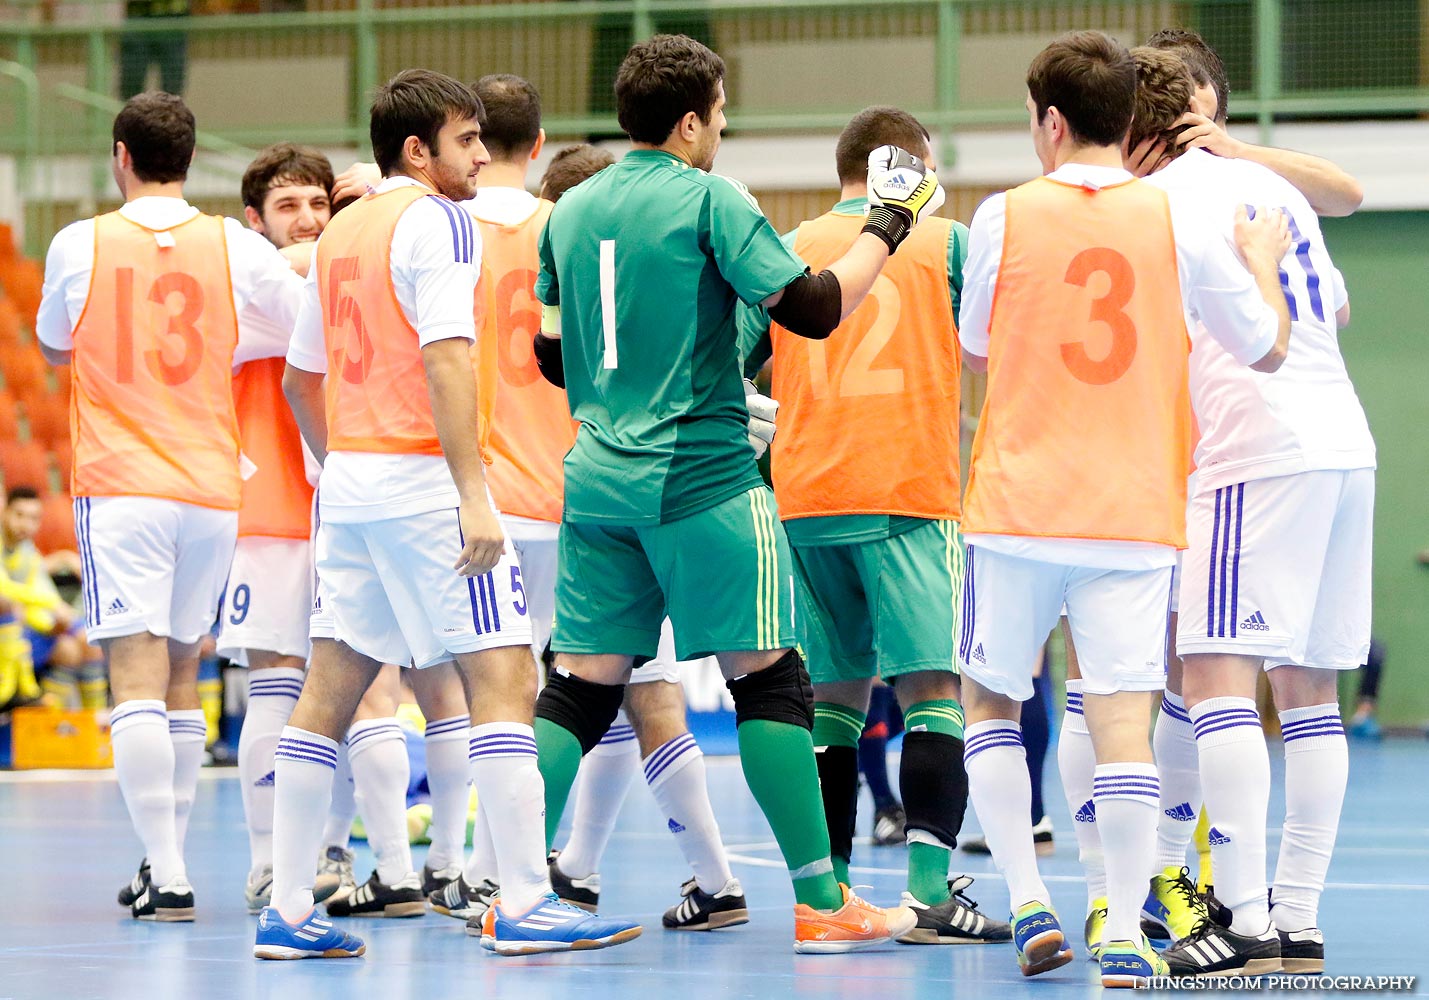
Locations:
(953, 921)
(136, 885)
(1213, 950)
(582, 892)
(373, 898)
(1302, 951)
(436, 879)
(172, 903)
(701, 911)
(463, 901)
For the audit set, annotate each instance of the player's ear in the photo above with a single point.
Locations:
(414, 151)
(686, 126)
(540, 142)
(255, 221)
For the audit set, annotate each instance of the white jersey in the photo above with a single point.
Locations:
(266, 292)
(435, 262)
(1305, 416)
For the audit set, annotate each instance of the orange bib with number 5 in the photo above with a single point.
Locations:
(152, 409)
(1086, 429)
(868, 419)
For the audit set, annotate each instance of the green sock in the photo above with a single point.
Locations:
(837, 725)
(778, 763)
(558, 755)
(928, 863)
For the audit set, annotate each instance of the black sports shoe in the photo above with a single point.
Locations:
(136, 885)
(1219, 912)
(374, 899)
(1302, 951)
(1213, 950)
(582, 892)
(888, 825)
(700, 911)
(956, 920)
(435, 880)
(462, 901)
(173, 903)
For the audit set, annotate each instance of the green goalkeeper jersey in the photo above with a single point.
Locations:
(647, 261)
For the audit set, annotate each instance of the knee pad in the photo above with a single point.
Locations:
(583, 708)
(781, 692)
(934, 784)
(838, 784)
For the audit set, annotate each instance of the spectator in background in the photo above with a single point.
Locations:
(1364, 725)
(46, 624)
(138, 50)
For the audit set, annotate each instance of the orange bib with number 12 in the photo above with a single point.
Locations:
(1086, 430)
(152, 409)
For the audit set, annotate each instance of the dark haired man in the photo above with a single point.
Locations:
(665, 511)
(145, 302)
(874, 536)
(413, 565)
(570, 166)
(1087, 390)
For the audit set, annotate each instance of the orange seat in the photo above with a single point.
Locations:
(24, 281)
(10, 332)
(24, 368)
(49, 418)
(56, 524)
(25, 463)
(62, 454)
(9, 416)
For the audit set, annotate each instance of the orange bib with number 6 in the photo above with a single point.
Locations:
(869, 417)
(152, 412)
(1086, 427)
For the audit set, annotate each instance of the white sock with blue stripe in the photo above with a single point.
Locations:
(303, 766)
(1235, 780)
(377, 754)
(188, 729)
(1077, 763)
(513, 795)
(449, 780)
(676, 775)
(337, 831)
(1174, 744)
(600, 788)
(1126, 795)
(144, 764)
(1001, 792)
(1317, 769)
(271, 696)
(481, 863)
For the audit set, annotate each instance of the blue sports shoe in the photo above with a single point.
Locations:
(315, 937)
(1041, 945)
(552, 925)
(1128, 965)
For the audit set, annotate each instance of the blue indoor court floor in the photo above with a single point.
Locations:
(67, 848)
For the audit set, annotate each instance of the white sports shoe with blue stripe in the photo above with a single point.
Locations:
(552, 925)
(315, 937)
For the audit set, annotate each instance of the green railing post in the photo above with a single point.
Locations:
(99, 79)
(364, 70)
(27, 117)
(950, 43)
(1267, 65)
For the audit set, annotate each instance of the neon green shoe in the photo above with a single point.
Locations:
(1173, 903)
(1041, 945)
(1129, 965)
(1092, 930)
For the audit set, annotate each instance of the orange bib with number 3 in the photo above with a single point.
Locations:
(532, 429)
(1086, 429)
(376, 385)
(869, 417)
(152, 412)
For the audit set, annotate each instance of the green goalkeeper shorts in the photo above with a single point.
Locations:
(881, 608)
(723, 575)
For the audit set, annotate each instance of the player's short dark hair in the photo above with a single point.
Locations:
(158, 130)
(571, 166)
(880, 125)
(662, 80)
(1202, 60)
(416, 102)
(283, 164)
(1091, 79)
(20, 493)
(512, 122)
(1163, 95)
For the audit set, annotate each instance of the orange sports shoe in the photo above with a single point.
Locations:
(856, 924)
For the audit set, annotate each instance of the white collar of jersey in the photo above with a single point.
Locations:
(394, 182)
(502, 206)
(158, 211)
(1089, 175)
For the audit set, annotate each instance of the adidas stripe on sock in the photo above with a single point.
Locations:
(1235, 781)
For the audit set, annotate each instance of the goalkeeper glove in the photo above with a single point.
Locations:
(762, 411)
(901, 192)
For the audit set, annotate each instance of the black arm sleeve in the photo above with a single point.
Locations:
(811, 306)
(548, 359)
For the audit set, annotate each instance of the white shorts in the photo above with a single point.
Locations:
(1010, 605)
(664, 667)
(268, 599)
(1280, 568)
(152, 565)
(393, 595)
(535, 545)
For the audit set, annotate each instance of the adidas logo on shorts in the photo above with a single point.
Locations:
(1255, 623)
(266, 781)
(675, 827)
(116, 607)
(1217, 839)
(978, 654)
(1183, 813)
(1086, 814)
